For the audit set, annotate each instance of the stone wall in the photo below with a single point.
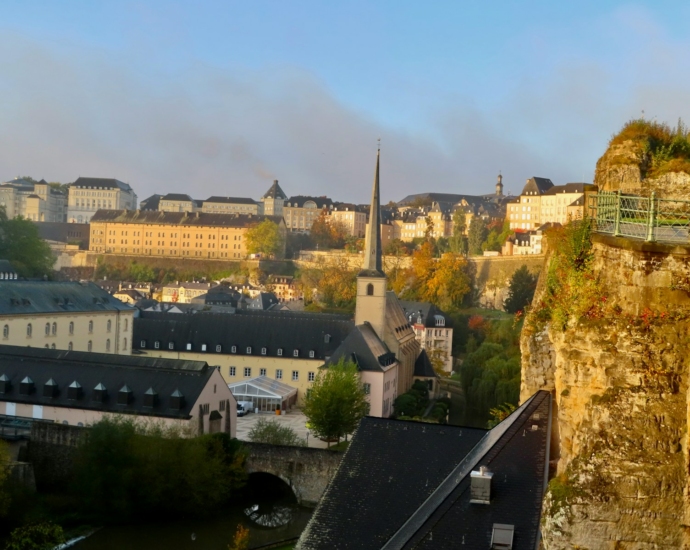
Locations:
(620, 387)
(51, 451)
(306, 470)
(491, 276)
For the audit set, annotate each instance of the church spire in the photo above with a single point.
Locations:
(372, 252)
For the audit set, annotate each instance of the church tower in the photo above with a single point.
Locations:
(499, 186)
(371, 281)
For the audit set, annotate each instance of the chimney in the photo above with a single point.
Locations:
(480, 486)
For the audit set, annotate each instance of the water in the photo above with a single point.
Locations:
(270, 518)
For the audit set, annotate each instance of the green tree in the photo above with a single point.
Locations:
(336, 402)
(21, 244)
(265, 238)
(4, 478)
(458, 241)
(273, 432)
(477, 234)
(521, 290)
(36, 536)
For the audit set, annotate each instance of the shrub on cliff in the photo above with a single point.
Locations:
(521, 290)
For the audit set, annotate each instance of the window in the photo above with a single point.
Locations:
(233, 371)
(109, 325)
(279, 374)
(89, 347)
(311, 354)
(126, 323)
(249, 350)
(171, 345)
(107, 345)
(71, 327)
(295, 353)
(205, 408)
(124, 344)
(367, 388)
(326, 338)
(262, 372)
(233, 349)
(6, 331)
(247, 372)
(156, 344)
(90, 326)
(370, 289)
(52, 346)
(46, 346)
(311, 376)
(218, 348)
(295, 375)
(47, 329)
(54, 329)
(69, 346)
(189, 347)
(280, 351)
(143, 344)
(28, 330)
(263, 351)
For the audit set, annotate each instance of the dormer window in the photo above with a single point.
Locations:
(124, 396)
(74, 391)
(233, 349)
(157, 344)
(5, 384)
(26, 386)
(100, 393)
(311, 354)
(50, 388)
(177, 400)
(150, 398)
(203, 347)
(326, 338)
(295, 353)
(189, 347)
(263, 351)
(218, 348)
(171, 345)
(249, 350)
(280, 351)
(143, 344)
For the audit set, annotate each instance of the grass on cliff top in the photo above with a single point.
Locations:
(667, 148)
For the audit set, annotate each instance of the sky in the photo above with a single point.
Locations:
(221, 98)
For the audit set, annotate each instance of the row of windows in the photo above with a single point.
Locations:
(232, 371)
(89, 346)
(51, 329)
(219, 349)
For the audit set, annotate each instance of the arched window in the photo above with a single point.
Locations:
(90, 327)
(71, 327)
(54, 329)
(69, 346)
(52, 346)
(109, 325)
(126, 323)
(6, 331)
(124, 345)
(46, 346)
(28, 330)
(370, 289)
(89, 347)
(107, 345)
(47, 329)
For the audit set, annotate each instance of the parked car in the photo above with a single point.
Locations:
(244, 407)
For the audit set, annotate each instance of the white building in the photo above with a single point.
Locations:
(36, 201)
(88, 195)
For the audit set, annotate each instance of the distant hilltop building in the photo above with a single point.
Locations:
(36, 201)
(273, 200)
(88, 195)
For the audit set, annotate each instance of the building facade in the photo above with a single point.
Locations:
(36, 201)
(273, 200)
(300, 212)
(64, 316)
(354, 221)
(175, 202)
(231, 205)
(433, 330)
(173, 234)
(88, 195)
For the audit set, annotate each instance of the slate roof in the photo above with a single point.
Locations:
(396, 320)
(113, 371)
(298, 201)
(26, 297)
(423, 367)
(389, 469)
(569, 188)
(537, 186)
(429, 311)
(231, 200)
(263, 301)
(7, 267)
(365, 349)
(176, 197)
(440, 198)
(150, 203)
(180, 218)
(275, 192)
(405, 485)
(255, 329)
(101, 183)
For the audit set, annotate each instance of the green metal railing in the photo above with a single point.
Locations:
(647, 218)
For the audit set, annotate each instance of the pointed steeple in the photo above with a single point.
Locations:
(372, 251)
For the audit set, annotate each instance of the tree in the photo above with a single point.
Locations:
(272, 432)
(458, 241)
(36, 536)
(265, 238)
(521, 290)
(241, 539)
(500, 413)
(21, 244)
(4, 475)
(477, 234)
(336, 402)
(448, 283)
(498, 233)
(328, 233)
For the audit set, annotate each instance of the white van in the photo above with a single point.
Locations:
(244, 407)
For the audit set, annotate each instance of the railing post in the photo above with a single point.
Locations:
(652, 218)
(617, 223)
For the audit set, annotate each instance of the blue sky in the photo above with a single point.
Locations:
(222, 97)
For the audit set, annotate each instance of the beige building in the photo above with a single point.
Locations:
(173, 234)
(273, 200)
(36, 201)
(284, 287)
(433, 330)
(88, 195)
(176, 202)
(183, 293)
(300, 212)
(231, 205)
(347, 215)
(79, 389)
(64, 316)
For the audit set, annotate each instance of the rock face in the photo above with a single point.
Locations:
(620, 386)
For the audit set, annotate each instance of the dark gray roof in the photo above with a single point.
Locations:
(255, 329)
(231, 200)
(450, 198)
(150, 203)
(299, 201)
(263, 301)
(405, 485)
(365, 349)
(423, 367)
(537, 186)
(176, 197)
(21, 297)
(113, 371)
(274, 192)
(428, 312)
(569, 188)
(102, 183)
(389, 469)
(180, 218)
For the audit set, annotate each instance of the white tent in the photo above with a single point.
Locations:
(264, 393)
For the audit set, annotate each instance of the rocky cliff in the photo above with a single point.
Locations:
(618, 371)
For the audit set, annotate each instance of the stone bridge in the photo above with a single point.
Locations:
(307, 471)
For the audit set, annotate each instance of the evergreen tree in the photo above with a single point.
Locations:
(21, 244)
(477, 234)
(521, 290)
